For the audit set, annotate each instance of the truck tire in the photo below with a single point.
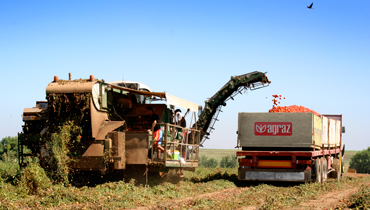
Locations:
(337, 165)
(324, 169)
(318, 168)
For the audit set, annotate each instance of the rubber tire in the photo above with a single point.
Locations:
(318, 168)
(324, 169)
(337, 165)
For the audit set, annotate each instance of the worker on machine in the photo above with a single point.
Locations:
(157, 133)
(180, 120)
(181, 132)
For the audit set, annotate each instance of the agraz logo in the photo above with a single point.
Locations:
(273, 128)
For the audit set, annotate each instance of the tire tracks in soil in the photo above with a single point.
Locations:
(333, 200)
(330, 200)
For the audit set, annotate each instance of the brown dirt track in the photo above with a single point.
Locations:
(333, 199)
(327, 201)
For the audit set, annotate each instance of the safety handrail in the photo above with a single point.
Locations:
(171, 142)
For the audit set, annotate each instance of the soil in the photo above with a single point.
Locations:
(333, 199)
(328, 201)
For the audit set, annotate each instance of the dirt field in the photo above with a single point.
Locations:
(203, 189)
(330, 200)
(334, 199)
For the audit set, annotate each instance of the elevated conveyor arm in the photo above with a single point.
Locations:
(212, 107)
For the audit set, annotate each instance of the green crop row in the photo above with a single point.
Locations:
(32, 189)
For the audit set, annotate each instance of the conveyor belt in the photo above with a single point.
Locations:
(212, 108)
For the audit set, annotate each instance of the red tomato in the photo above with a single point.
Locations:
(293, 108)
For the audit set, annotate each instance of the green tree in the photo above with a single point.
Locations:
(228, 162)
(9, 148)
(361, 161)
(207, 162)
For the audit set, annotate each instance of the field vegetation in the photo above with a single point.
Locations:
(360, 199)
(361, 161)
(31, 188)
(35, 191)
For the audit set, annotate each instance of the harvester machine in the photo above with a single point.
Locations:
(105, 127)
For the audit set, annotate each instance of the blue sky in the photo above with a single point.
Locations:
(317, 58)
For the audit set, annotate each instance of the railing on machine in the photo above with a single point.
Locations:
(182, 143)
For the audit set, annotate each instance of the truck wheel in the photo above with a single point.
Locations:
(324, 169)
(337, 165)
(318, 170)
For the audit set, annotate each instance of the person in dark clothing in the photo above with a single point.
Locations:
(156, 131)
(180, 120)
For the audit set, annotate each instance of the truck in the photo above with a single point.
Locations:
(93, 126)
(301, 147)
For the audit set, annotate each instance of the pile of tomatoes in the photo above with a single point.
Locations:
(293, 108)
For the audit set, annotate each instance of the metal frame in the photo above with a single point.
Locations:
(293, 154)
(172, 144)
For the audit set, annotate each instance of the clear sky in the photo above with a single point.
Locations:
(316, 58)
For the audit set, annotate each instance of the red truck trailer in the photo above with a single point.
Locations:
(290, 147)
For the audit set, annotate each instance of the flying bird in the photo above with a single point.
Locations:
(310, 7)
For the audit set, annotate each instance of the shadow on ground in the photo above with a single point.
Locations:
(240, 183)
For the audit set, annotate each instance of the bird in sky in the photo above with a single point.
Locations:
(310, 7)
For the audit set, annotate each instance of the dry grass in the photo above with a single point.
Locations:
(120, 195)
(16, 193)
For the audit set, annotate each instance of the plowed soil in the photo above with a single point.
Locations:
(329, 200)
(333, 199)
